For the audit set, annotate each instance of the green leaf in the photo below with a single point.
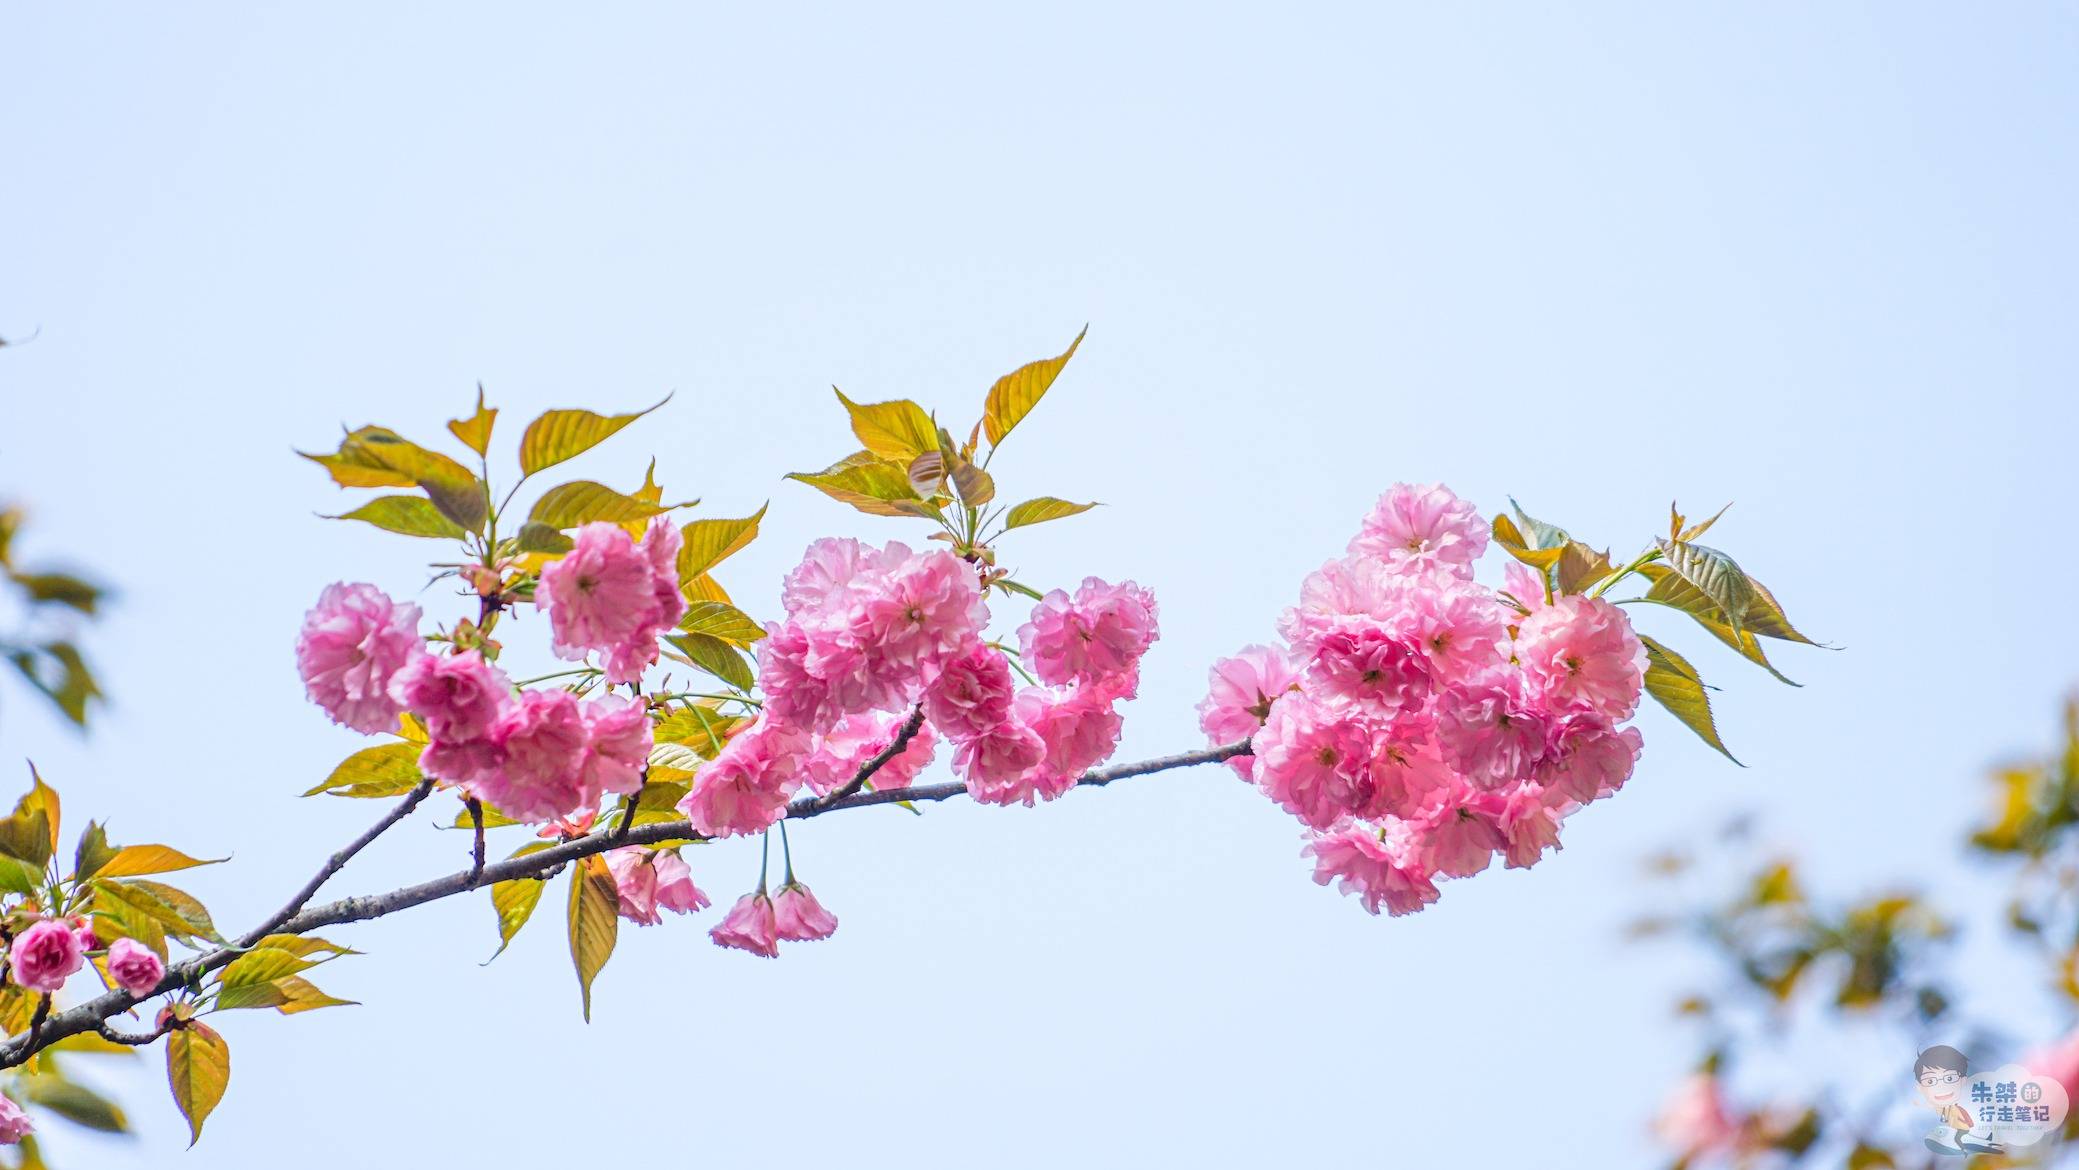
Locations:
(1674, 684)
(301, 995)
(898, 430)
(714, 656)
(1712, 574)
(198, 1066)
(721, 620)
(975, 486)
(92, 853)
(1511, 538)
(538, 537)
(304, 944)
(1676, 592)
(515, 900)
(475, 431)
(869, 484)
(73, 686)
(701, 728)
(594, 915)
(1580, 567)
(567, 505)
(263, 965)
(1016, 393)
(74, 1102)
(564, 434)
(389, 769)
(707, 543)
(406, 515)
(26, 836)
(1041, 509)
(459, 495)
(175, 910)
(19, 877)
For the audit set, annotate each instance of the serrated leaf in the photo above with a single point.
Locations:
(700, 728)
(593, 919)
(139, 860)
(92, 852)
(565, 434)
(304, 944)
(898, 430)
(1674, 684)
(387, 769)
(475, 431)
(198, 1067)
(176, 911)
(707, 543)
(677, 757)
(1016, 393)
(1542, 535)
(458, 493)
(704, 588)
(721, 620)
(1712, 574)
(405, 515)
(714, 656)
(869, 484)
(568, 505)
(538, 537)
(1041, 509)
(1675, 592)
(74, 1102)
(515, 900)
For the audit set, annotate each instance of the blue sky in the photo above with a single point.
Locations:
(1816, 260)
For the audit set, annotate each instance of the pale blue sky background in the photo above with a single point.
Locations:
(1816, 259)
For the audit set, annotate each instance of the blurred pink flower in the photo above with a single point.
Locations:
(14, 1123)
(1694, 1120)
(353, 642)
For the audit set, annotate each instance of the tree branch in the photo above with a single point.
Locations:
(298, 918)
(903, 735)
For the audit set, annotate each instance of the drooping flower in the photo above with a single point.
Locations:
(618, 738)
(1374, 865)
(745, 788)
(1098, 636)
(1579, 653)
(1314, 760)
(799, 917)
(1242, 691)
(750, 926)
(999, 765)
(615, 596)
(650, 880)
(971, 694)
(1490, 735)
(1423, 526)
(353, 642)
(838, 754)
(134, 967)
(14, 1122)
(541, 741)
(45, 955)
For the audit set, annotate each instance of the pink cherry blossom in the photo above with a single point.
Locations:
(1080, 729)
(972, 693)
(134, 967)
(1381, 872)
(928, 611)
(1098, 635)
(745, 788)
(1580, 653)
(1408, 777)
(541, 741)
(798, 917)
(1694, 1120)
(750, 926)
(45, 955)
(1423, 526)
(1242, 690)
(1000, 765)
(1526, 585)
(457, 697)
(1459, 626)
(839, 754)
(618, 737)
(1314, 760)
(834, 574)
(1371, 668)
(650, 880)
(1529, 825)
(1463, 837)
(1490, 735)
(14, 1123)
(612, 595)
(1354, 592)
(353, 642)
(1589, 759)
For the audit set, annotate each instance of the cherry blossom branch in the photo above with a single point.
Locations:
(299, 918)
(895, 747)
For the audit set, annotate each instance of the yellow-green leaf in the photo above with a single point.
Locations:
(707, 543)
(594, 914)
(515, 900)
(263, 965)
(74, 1102)
(351, 470)
(388, 769)
(405, 515)
(475, 431)
(1511, 538)
(457, 492)
(714, 656)
(301, 995)
(1712, 574)
(564, 434)
(138, 860)
(568, 505)
(176, 910)
(1674, 684)
(92, 852)
(198, 1066)
(1674, 591)
(1041, 509)
(869, 484)
(721, 620)
(898, 430)
(701, 728)
(1016, 393)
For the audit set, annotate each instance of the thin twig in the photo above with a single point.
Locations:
(476, 846)
(896, 746)
(337, 862)
(136, 1039)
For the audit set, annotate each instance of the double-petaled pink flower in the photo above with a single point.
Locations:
(45, 954)
(615, 596)
(745, 788)
(751, 925)
(1097, 636)
(134, 967)
(1423, 526)
(353, 643)
(650, 880)
(1579, 653)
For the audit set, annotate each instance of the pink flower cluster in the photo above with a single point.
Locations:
(614, 595)
(1419, 723)
(871, 632)
(649, 880)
